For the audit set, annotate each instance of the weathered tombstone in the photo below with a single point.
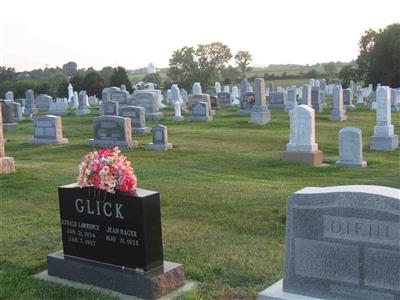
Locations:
(111, 131)
(394, 100)
(246, 104)
(17, 110)
(110, 108)
(177, 97)
(226, 89)
(200, 98)
(48, 130)
(224, 99)
(93, 101)
(149, 101)
(83, 108)
(177, 112)
(291, 99)
(350, 148)
(184, 96)
(337, 112)
(360, 97)
(306, 95)
(384, 137)
(75, 100)
(160, 139)
(43, 102)
(120, 96)
(342, 242)
(348, 99)
(316, 99)
(276, 100)
(196, 89)
(270, 87)
(211, 91)
(9, 95)
(244, 87)
(302, 147)
(217, 86)
(260, 114)
(58, 108)
(30, 104)
(106, 93)
(137, 116)
(201, 112)
(214, 102)
(7, 109)
(7, 164)
(235, 96)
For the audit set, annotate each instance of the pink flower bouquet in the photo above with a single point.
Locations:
(107, 170)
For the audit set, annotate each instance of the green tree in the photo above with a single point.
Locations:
(243, 60)
(76, 82)
(93, 83)
(379, 58)
(312, 73)
(330, 68)
(204, 64)
(183, 67)
(119, 76)
(211, 60)
(153, 78)
(230, 74)
(62, 89)
(347, 73)
(42, 88)
(70, 68)
(106, 73)
(7, 74)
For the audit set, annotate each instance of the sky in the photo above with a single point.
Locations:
(97, 33)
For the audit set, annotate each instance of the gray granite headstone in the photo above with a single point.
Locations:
(224, 99)
(48, 130)
(260, 114)
(337, 112)
(276, 100)
(149, 101)
(201, 112)
(119, 96)
(395, 100)
(247, 103)
(200, 98)
(316, 99)
(110, 108)
(196, 89)
(17, 110)
(83, 107)
(211, 91)
(43, 102)
(137, 116)
(384, 137)
(306, 95)
(160, 139)
(350, 148)
(342, 242)
(111, 131)
(7, 109)
(291, 101)
(30, 104)
(348, 99)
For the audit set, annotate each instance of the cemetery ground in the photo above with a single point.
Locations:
(223, 197)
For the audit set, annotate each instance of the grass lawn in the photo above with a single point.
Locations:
(223, 198)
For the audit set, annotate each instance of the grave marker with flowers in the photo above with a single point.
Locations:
(111, 231)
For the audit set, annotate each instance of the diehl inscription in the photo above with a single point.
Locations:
(365, 230)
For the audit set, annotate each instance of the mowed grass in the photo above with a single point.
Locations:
(223, 198)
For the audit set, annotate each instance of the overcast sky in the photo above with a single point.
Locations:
(36, 33)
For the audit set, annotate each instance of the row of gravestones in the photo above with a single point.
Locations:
(303, 148)
(109, 131)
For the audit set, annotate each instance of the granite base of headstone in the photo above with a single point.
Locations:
(342, 243)
(82, 112)
(154, 116)
(314, 158)
(8, 127)
(260, 116)
(384, 143)
(178, 118)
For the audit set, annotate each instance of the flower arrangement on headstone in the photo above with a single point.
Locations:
(111, 231)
